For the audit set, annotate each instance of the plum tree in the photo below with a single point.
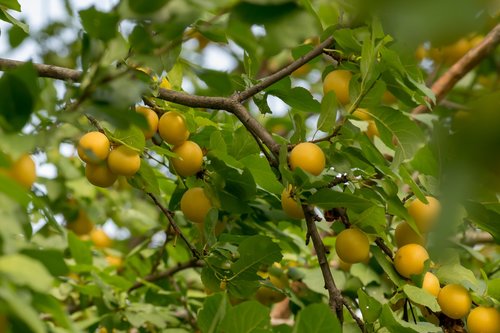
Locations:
(431, 284)
(454, 300)
(152, 119)
(410, 260)
(100, 239)
(248, 140)
(172, 128)
(100, 175)
(290, 203)
(352, 246)
(124, 161)
(23, 170)
(307, 156)
(483, 320)
(189, 159)
(404, 234)
(195, 204)
(425, 215)
(93, 147)
(82, 225)
(338, 82)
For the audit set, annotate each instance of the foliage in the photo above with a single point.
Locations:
(164, 273)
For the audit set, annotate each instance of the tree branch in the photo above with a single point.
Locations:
(174, 225)
(335, 297)
(285, 71)
(193, 263)
(50, 71)
(448, 80)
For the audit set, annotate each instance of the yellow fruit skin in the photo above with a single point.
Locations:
(152, 119)
(307, 156)
(124, 161)
(290, 205)
(388, 98)
(409, 260)
(24, 171)
(483, 320)
(82, 225)
(269, 296)
(165, 84)
(431, 284)
(93, 147)
(372, 130)
(195, 204)
(100, 238)
(425, 215)
(189, 159)
(404, 235)
(114, 261)
(454, 300)
(99, 175)
(338, 82)
(172, 128)
(352, 246)
(362, 114)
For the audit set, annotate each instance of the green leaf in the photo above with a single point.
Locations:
(131, 137)
(243, 144)
(328, 199)
(387, 266)
(317, 318)
(11, 4)
(262, 173)
(391, 124)
(255, 251)
(53, 260)
(494, 288)
(146, 6)
(456, 273)
(219, 82)
(371, 220)
(217, 142)
(405, 175)
(5, 16)
(280, 21)
(328, 115)
(22, 310)
(48, 304)
(19, 92)
(14, 190)
(246, 317)
(213, 311)
(299, 99)
(145, 179)
(365, 274)
(347, 41)
(99, 24)
(420, 296)
(395, 325)
(21, 270)
(369, 306)
(486, 219)
(80, 250)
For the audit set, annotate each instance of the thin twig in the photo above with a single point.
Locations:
(285, 71)
(464, 65)
(168, 214)
(193, 263)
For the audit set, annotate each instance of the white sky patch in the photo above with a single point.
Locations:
(217, 59)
